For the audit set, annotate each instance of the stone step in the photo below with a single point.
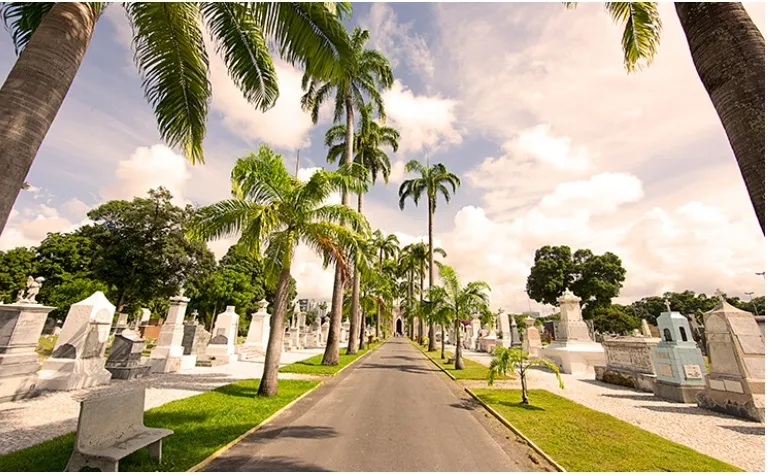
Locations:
(210, 362)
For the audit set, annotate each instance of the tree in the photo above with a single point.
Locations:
(728, 52)
(595, 279)
(387, 247)
(613, 319)
(15, 266)
(361, 74)
(508, 360)
(52, 39)
(431, 181)
(143, 253)
(65, 293)
(420, 258)
(273, 212)
(459, 302)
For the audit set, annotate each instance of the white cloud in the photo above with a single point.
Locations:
(423, 121)
(75, 208)
(558, 152)
(602, 193)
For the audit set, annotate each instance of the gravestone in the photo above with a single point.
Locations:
(573, 350)
(678, 362)
(628, 362)
(258, 334)
(488, 341)
(474, 334)
(324, 332)
(21, 325)
(49, 327)
(221, 350)
(736, 352)
(125, 356)
(515, 337)
(503, 323)
(122, 323)
(77, 361)
(532, 342)
(195, 340)
(168, 356)
(345, 331)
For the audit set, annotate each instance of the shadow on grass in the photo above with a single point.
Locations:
(262, 464)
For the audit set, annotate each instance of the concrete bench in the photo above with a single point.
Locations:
(111, 427)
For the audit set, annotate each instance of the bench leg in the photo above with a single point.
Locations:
(156, 450)
(79, 461)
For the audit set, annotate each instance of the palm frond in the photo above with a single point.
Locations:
(21, 19)
(641, 34)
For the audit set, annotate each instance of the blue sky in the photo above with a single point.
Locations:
(528, 103)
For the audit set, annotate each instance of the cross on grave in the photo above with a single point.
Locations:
(721, 295)
(667, 305)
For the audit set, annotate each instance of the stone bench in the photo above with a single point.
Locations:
(111, 427)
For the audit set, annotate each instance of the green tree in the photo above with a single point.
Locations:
(506, 361)
(270, 207)
(70, 291)
(419, 258)
(387, 248)
(613, 319)
(52, 39)
(15, 266)
(363, 74)
(432, 180)
(728, 52)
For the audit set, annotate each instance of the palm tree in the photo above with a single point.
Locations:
(271, 208)
(507, 360)
(431, 181)
(420, 258)
(460, 302)
(387, 247)
(359, 75)
(52, 39)
(729, 54)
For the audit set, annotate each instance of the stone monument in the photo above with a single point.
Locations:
(532, 341)
(77, 361)
(324, 332)
(168, 356)
(258, 334)
(573, 350)
(122, 323)
(629, 362)
(144, 318)
(345, 331)
(678, 360)
(195, 340)
(503, 323)
(515, 340)
(473, 334)
(21, 325)
(221, 350)
(125, 356)
(488, 341)
(736, 351)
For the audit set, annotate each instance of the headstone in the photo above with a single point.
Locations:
(144, 318)
(258, 334)
(195, 340)
(50, 325)
(645, 330)
(345, 331)
(736, 352)
(573, 350)
(20, 328)
(532, 343)
(674, 357)
(629, 362)
(324, 332)
(77, 361)
(488, 341)
(503, 323)
(515, 340)
(122, 323)
(125, 356)
(168, 356)
(222, 346)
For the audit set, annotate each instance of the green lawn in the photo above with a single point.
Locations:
(583, 440)
(312, 365)
(202, 424)
(473, 370)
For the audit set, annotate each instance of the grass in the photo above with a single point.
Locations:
(202, 424)
(581, 439)
(473, 370)
(45, 346)
(312, 365)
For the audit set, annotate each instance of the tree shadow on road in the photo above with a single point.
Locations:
(404, 368)
(298, 432)
(266, 464)
(466, 404)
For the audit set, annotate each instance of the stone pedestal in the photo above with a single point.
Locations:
(222, 346)
(78, 360)
(629, 363)
(167, 356)
(503, 323)
(573, 350)
(20, 328)
(678, 362)
(124, 360)
(258, 334)
(122, 323)
(736, 351)
(473, 334)
(532, 341)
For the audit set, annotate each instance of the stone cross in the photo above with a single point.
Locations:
(667, 305)
(721, 295)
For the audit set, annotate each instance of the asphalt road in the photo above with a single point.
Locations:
(393, 411)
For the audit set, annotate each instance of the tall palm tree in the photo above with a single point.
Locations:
(271, 208)
(52, 39)
(420, 257)
(367, 143)
(431, 181)
(359, 76)
(387, 247)
(460, 302)
(728, 51)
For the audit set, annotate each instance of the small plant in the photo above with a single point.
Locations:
(508, 360)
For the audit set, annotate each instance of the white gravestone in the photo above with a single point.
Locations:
(503, 323)
(532, 341)
(324, 332)
(222, 346)
(259, 329)
(78, 360)
(168, 356)
(144, 319)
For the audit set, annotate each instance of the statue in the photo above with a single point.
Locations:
(33, 288)
(20, 296)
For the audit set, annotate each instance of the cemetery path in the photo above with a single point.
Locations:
(392, 411)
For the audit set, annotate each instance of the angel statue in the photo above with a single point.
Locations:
(33, 288)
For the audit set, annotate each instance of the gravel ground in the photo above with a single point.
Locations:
(28, 422)
(736, 441)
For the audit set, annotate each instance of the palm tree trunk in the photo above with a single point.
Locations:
(355, 313)
(431, 261)
(35, 89)
(331, 355)
(728, 53)
(421, 297)
(269, 384)
(443, 342)
(524, 388)
(458, 363)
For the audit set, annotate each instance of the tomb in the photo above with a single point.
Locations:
(532, 342)
(515, 336)
(678, 362)
(221, 349)
(503, 323)
(628, 362)
(125, 356)
(168, 356)
(195, 340)
(258, 334)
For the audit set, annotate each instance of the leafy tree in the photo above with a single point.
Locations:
(551, 274)
(648, 308)
(67, 292)
(270, 207)
(509, 360)
(728, 52)
(15, 266)
(432, 180)
(613, 319)
(362, 74)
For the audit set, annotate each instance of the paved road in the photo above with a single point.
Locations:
(393, 411)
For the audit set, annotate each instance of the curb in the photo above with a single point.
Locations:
(507, 424)
(434, 362)
(200, 466)
(214, 455)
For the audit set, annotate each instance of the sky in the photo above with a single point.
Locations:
(528, 103)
